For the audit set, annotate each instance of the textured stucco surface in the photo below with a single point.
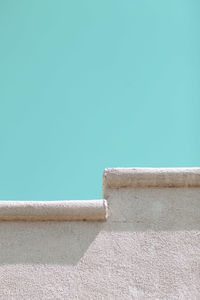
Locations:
(149, 248)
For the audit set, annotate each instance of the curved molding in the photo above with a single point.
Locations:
(151, 177)
(85, 210)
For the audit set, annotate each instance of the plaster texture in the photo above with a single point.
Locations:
(149, 248)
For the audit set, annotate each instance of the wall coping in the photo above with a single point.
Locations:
(150, 177)
(74, 210)
(97, 210)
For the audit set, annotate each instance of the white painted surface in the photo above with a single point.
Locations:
(149, 248)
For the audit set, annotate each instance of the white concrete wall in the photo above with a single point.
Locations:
(149, 248)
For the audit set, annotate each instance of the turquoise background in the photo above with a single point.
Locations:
(86, 85)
